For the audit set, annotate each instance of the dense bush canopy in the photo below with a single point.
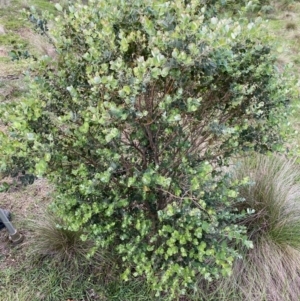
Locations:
(147, 99)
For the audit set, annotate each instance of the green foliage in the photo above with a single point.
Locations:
(39, 24)
(146, 100)
(4, 186)
(19, 52)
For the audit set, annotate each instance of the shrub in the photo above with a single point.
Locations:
(145, 101)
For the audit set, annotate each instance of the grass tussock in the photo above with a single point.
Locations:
(53, 240)
(291, 26)
(274, 194)
(271, 270)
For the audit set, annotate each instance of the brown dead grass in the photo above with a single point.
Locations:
(24, 203)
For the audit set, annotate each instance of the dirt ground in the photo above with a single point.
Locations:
(24, 204)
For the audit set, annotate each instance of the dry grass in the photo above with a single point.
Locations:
(24, 203)
(52, 239)
(271, 270)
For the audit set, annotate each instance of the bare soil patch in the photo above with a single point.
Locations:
(37, 42)
(2, 30)
(3, 52)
